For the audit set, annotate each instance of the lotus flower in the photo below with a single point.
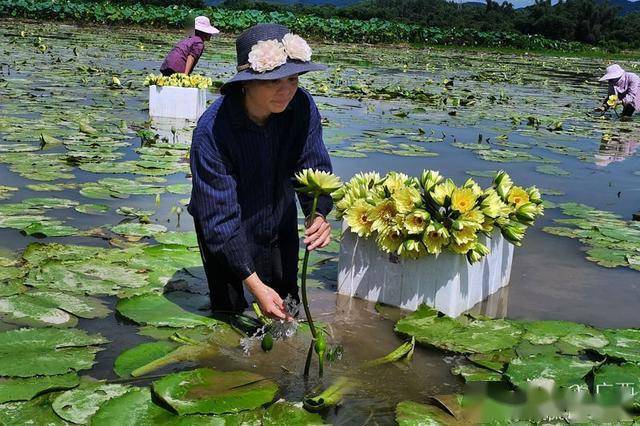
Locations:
(463, 199)
(517, 196)
(318, 182)
(416, 222)
(359, 218)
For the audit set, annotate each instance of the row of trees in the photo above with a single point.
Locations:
(588, 21)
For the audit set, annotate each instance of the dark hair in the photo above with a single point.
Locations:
(201, 34)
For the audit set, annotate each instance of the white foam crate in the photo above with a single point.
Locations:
(177, 102)
(446, 282)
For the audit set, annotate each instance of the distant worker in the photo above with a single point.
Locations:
(184, 56)
(624, 88)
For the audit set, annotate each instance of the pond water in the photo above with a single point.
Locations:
(385, 108)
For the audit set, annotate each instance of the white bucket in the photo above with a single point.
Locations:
(446, 282)
(177, 102)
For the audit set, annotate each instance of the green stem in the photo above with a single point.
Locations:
(305, 301)
(307, 363)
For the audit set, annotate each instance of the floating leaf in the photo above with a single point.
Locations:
(471, 373)
(187, 239)
(623, 344)
(207, 391)
(46, 351)
(140, 355)
(159, 311)
(92, 208)
(80, 306)
(562, 370)
(138, 229)
(618, 383)
(78, 405)
(550, 169)
(24, 413)
(25, 309)
(24, 389)
(409, 413)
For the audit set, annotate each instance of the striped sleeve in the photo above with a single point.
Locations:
(215, 205)
(314, 156)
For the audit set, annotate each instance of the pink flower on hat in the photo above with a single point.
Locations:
(267, 55)
(296, 47)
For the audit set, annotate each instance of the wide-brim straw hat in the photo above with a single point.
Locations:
(203, 24)
(249, 40)
(613, 71)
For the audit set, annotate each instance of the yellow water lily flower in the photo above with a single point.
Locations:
(441, 191)
(466, 234)
(406, 198)
(487, 225)
(368, 179)
(412, 249)
(612, 101)
(462, 199)
(416, 221)
(472, 216)
(383, 216)
(534, 195)
(435, 238)
(429, 179)
(390, 242)
(502, 183)
(461, 248)
(492, 205)
(359, 218)
(517, 196)
(473, 185)
(318, 182)
(395, 181)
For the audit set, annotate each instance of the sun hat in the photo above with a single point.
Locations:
(270, 52)
(613, 71)
(203, 24)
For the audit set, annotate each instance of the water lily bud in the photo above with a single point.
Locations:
(527, 213)
(534, 195)
(429, 178)
(502, 184)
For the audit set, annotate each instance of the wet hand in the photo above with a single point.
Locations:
(318, 233)
(270, 302)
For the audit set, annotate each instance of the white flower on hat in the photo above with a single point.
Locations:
(266, 55)
(296, 47)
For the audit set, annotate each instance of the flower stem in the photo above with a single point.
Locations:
(305, 301)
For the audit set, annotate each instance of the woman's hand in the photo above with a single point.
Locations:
(270, 302)
(318, 233)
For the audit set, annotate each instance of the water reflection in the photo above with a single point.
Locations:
(173, 130)
(615, 149)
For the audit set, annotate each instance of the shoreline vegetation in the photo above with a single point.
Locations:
(373, 31)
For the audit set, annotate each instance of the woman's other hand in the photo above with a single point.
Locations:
(270, 302)
(318, 233)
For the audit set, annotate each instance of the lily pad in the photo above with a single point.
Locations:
(78, 405)
(24, 389)
(409, 413)
(187, 239)
(623, 344)
(25, 309)
(562, 370)
(92, 208)
(471, 373)
(80, 306)
(207, 391)
(140, 355)
(24, 413)
(138, 229)
(46, 351)
(614, 384)
(159, 311)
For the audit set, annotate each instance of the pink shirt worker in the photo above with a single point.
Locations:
(184, 56)
(626, 86)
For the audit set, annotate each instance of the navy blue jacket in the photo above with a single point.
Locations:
(243, 198)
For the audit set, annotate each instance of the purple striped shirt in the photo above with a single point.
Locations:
(243, 197)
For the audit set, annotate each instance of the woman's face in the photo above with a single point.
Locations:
(271, 96)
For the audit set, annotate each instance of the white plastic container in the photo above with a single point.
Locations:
(177, 102)
(446, 282)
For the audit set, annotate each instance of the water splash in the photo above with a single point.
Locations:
(279, 329)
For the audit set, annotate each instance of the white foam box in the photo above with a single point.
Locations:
(446, 282)
(177, 102)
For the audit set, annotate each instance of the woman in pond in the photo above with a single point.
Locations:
(625, 86)
(245, 151)
(184, 56)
